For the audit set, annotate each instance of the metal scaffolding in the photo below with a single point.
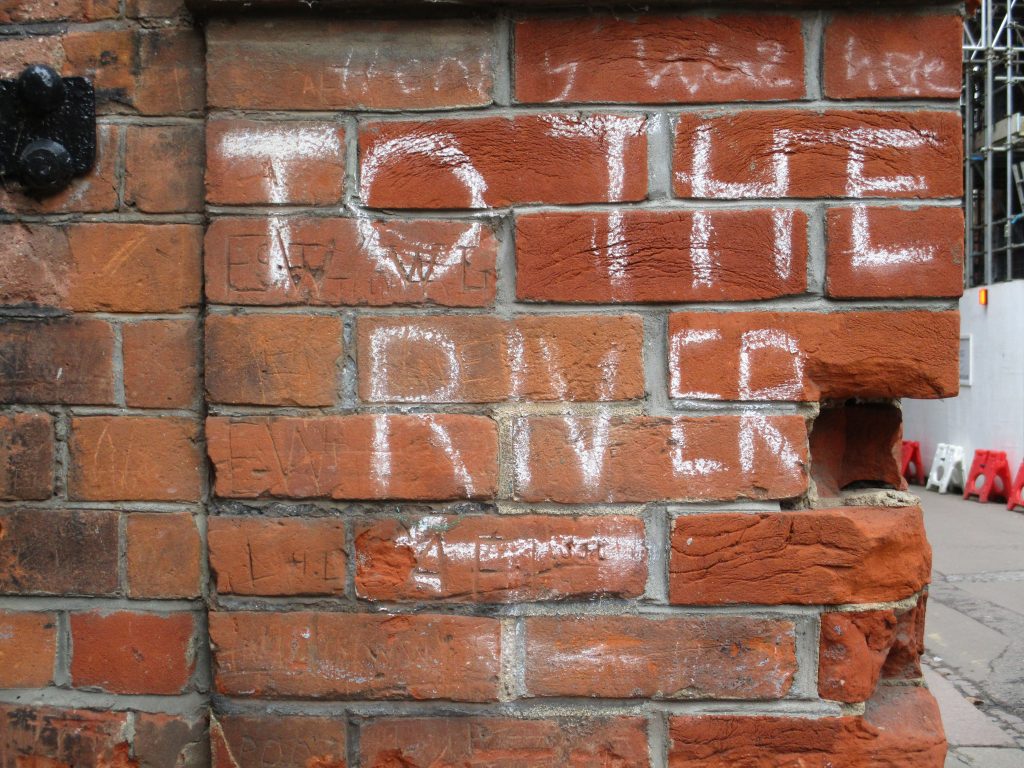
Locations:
(994, 143)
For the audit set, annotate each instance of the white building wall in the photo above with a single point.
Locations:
(989, 412)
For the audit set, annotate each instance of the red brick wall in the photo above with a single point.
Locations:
(516, 392)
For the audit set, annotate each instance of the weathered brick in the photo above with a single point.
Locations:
(830, 556)
(273, 359)
(325, 655)
(429, 457)
(28, 649)
(107, 57)
(162, 554)
(124, 652)
(500, 558)
(58, 552)
(904, 659)
(161, 367)
(813, 356)
(282, 741)
(895, 252)
(498, 161)
(696, 657)
(499, 742)
(26, 456)
(339, 262)
(654, 59)
(277, 556)
(178, 741)
(402, 64)
(893, 56)
(482, 359)
(900, 729)
(644, 255)
(161, 172)
(23, 11)
(608, 458)
(251, 161)
(63, 360)
(852, 649)
(800, 153)
(125, 458)
(41, 737)
(133, 267)
(96, 192)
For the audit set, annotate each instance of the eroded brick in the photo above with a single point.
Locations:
(45, 737)
(162, 174)
(327, 655)
(501, 559)
(852, 649)
(26, 456)
(830, 556)
(283, 741)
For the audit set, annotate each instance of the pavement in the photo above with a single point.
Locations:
(974, 634)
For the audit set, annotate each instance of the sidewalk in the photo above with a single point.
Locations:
(974, 636)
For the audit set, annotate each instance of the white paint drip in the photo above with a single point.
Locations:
(441, 147)
(459, 470)
(682, 339)
(866, 255)
(909, 74)
(381, 339)
(782, 230)
(521, 447)
(703, 259)
(279, 146)
(756, 426)
(776, 185)
(681, 466)
(279, 243)
(769, 338)
(391, 260)
(517, 361)
(693, 73)
(381, 464)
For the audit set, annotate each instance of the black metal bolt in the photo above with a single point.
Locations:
(45, 166)
(41, 88)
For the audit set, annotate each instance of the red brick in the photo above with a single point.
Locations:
(857, 443)
(133, 267)
(108, 58)
(95, 192)
(486, 359)
(134, 458)
(900, 729)
(273, 359)
(364, 456)
(28, 649)
(808, 356)
(277, 555)
(53, 552)
(328, 655)
(18, 52)
(694, 657)
(26, 456)
(808, 557)
(251, 161)
(645, 255)
(162, 174)
(144, 9)
(893, 56)
(496, 558)
(161, 367)
(63, 360)
(171, 75)
(607, 458)
(339, 262)
(47, 737)
(655, 59)
(22, 11)
(499, 161)
(163, 555)
(499, 742)
(282, 741)
(403, 64)
(125, 652)
(803, 153)
(895, 252)
(852, 649)
(904, 659)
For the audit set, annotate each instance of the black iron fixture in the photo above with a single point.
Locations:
(47, 129)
